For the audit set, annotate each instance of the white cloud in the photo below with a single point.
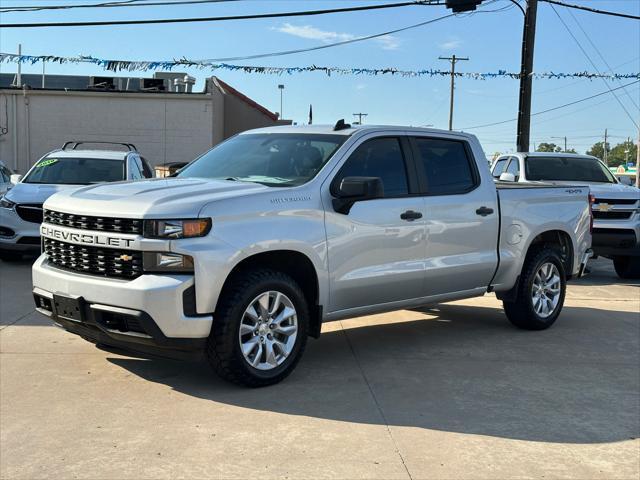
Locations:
(361, 86)
(450, 44)
(387, 42)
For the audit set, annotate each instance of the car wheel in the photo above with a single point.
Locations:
(627, 267)
(259, 330)
(540, 292)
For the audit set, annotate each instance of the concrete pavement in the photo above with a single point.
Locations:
(450, 392)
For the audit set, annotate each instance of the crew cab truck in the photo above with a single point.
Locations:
(616, 207)
(251, 247)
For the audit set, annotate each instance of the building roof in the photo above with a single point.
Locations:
(226, 88)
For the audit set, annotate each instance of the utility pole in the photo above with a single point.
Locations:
(453, 59)
(526, 72)
(638, 162)
(360, 115)
(281, 88)
(606, 159)
(19, 73)
(565, 142)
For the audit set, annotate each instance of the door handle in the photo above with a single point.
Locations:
(484, 211)
(410, 215)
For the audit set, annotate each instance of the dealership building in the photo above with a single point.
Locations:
(166, 120)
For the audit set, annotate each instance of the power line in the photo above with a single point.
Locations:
(594, 65)
(593, 10)
(220, 19)
(604, 60)
(555, 108)
(121, 3)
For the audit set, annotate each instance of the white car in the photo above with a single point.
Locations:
(70, 166)
(5, 179)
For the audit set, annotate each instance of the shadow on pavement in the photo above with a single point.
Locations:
(466, 370)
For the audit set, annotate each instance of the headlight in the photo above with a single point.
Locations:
(161, 262)
(173, 229)
(5, 203)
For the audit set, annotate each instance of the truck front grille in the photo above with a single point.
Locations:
(101, 224)
(30, 212)
(619, 201)
(612, 215)
(105, 262)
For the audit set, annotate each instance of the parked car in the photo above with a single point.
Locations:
(616, 207)
(70, 166)
(5, 178)
(251, 247)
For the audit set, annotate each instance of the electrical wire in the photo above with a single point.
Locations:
(121, 3)
(302, 13)
(554, 108)
(592, 10)
(604, 60)
(594, 66)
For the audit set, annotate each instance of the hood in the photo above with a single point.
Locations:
(34, 192)
(606, 190)
(155, 198)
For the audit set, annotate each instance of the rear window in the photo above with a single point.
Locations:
(76, 171)
(567, 169)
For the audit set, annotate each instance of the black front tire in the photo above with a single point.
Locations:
(627, 267)
(223, 346)
(521, 311)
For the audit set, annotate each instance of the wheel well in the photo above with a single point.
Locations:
(299, 267)
(559, 240)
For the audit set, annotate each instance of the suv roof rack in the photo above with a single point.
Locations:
(74, 144)
(340, 125)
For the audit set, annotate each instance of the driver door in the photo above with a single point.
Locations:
(376, 251)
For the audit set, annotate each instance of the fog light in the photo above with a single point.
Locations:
(167, 262)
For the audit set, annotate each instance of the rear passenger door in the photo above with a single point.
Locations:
(376, 252)
(461, 216)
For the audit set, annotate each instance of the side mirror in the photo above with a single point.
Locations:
(15, 178)
(355, 189)
(507, 177)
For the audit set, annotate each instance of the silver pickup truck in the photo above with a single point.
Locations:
(251, 247)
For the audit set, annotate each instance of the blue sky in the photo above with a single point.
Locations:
(491, 40)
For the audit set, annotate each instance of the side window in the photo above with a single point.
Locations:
(134, 169)
(379, 157)
(4, 175)
(498, 168)
(146, 169)
(447, 167)
(514, 168)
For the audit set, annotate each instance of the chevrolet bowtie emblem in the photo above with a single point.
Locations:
(604, 207)
(126, 258)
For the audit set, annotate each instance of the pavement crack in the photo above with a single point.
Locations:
(375, 400)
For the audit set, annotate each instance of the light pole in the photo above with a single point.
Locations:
(281, 88)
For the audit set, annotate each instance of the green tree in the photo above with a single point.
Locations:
(597, 150)
(618, 155)
(548, 147)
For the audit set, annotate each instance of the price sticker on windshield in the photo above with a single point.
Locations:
(47, 162)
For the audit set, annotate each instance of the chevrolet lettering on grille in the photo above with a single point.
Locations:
(84, 238)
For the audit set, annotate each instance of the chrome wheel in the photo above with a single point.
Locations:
(268, 330)
(546, 289)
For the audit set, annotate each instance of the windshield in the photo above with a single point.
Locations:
(569, 169)
(273, 159)
(76, 171)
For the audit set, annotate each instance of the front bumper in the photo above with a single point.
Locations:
(616, 241)
(17, 234)
(147, 312)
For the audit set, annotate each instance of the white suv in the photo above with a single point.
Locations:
(21, 207)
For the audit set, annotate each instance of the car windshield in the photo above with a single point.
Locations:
(273, 159)
(76, 171)
(567, 169)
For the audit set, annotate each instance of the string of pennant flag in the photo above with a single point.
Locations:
(145, 65)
